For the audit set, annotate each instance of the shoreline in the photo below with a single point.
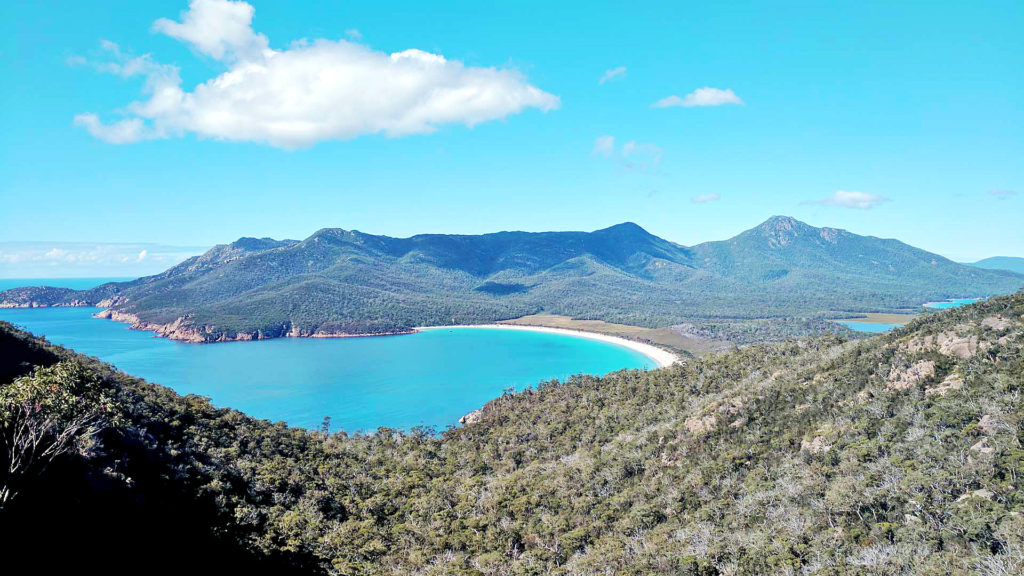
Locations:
(953, 302)
(899, 319)
(661, 357)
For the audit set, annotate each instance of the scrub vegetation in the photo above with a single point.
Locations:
(897, 454)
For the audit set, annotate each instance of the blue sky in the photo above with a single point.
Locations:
(889, 119)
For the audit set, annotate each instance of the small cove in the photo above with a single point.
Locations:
(869, 324)
(878, 327)
(951, 303)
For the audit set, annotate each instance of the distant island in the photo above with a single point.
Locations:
(781, 278)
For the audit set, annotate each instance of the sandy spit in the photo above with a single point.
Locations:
(662, 358)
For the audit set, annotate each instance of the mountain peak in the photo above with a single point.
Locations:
(327, 233)
(625, 228)
(782, 231)
(249, 244)
(783, 223)
(338, 235)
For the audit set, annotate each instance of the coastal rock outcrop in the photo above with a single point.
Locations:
(176, 330)
(949, 343)
(184, 330)
(951, 383)
(816, 445)
(698, 425)
(997, 322)
(903, 378)
(471, 418)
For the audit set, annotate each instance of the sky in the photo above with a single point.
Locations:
(170, 126)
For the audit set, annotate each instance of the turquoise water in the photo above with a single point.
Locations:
(951, 303)
(868, 326)
(429, 378)
(75, 283)
(880, 327)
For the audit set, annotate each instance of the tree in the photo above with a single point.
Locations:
(53, 411)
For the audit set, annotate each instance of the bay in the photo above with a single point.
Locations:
(430, 378)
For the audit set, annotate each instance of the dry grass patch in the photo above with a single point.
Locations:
(657, 336)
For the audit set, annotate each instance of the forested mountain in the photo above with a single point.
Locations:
(899, 454)
(1011, 263)
(347, 282)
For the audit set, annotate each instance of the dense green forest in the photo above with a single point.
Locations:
(898, 454)
(348, 282)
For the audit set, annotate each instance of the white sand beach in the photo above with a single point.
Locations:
(662, 358)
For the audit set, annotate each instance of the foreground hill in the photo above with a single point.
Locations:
(899, 454)
(1010, 263)
(340, 282)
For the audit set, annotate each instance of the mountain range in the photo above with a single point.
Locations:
(345, 282)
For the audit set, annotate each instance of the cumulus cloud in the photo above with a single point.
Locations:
(161, 84)
(706, 198)
(124, 132)
(700, 97)
(612, 75)
(220, 29)
(71, 259)
(632, 155)
(844, 199)
(310, 92)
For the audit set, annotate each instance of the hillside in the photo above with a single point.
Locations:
(340, 282)
(1010, 263)
(899, 454)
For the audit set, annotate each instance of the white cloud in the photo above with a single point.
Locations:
(70, 259)
(640, 156)
(633, 155)
(604, 145)
(220, 29)
(700, 97)
(613, 74)
(308, 93)
(162, 84)
(1002, 194)
(57, 254)
(706, 198)
(844, 199)
(354, 34)
(124, 132)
